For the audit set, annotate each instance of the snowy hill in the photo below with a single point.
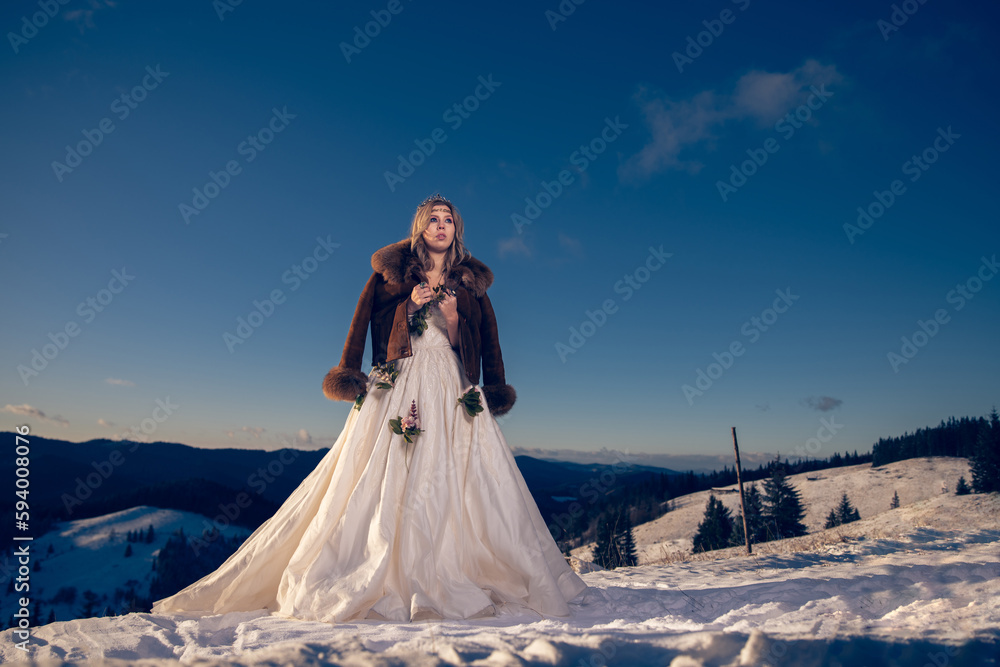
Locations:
(669, 537)
(913, 586)
(89, 554)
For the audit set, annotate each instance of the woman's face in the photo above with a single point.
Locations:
(440, 230)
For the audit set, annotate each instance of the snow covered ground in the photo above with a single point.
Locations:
(88, 555)
(919, 585)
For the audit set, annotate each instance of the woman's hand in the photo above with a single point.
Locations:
(420, 295)
(449, 306)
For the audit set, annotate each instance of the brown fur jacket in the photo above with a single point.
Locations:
(382, 309)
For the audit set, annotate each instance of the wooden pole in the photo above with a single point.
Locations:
(743, 504)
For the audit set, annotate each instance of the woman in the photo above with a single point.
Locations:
(418, 511)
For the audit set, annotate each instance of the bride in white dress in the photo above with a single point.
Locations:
(442, 527)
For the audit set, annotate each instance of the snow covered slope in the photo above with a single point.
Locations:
(89, 554)
(913, 586)
(669, 537)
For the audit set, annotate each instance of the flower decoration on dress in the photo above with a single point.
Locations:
(385, 378)
(408, 426)
(470, 400)
(385, 375)
(418, 322)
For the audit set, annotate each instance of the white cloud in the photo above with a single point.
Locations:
(123, 383)
(673, 125)
(28, 411)
(823, 403)
(765, 95)
(574, 246)
(84, 18)
(513, 246)
(678, 126)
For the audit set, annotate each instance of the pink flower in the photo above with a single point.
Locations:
(409, 426)
(412, 419)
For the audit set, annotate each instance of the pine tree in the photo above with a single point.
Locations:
(755, 519)
(846, 512)
(986, 456)
(895, 500)
(831, 520)
(783, 509)
(89, 605)
(605, 551)
(150, 535)
(615, 543)
(52, 616)
(65, 595)
(962, 488)
(715, 528)
(626, 542)
(128, 550)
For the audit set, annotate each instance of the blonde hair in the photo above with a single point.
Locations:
(455, 255)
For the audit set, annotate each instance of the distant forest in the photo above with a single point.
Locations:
(954, 437)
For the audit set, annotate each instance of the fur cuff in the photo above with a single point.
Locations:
(500, 398)
(344, 384)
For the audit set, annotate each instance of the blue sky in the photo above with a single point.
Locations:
(176, 162)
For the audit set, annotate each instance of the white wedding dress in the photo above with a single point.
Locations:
(440, 528)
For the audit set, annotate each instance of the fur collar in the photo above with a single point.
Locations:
(398, 264)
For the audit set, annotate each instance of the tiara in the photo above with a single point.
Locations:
(437, 196)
